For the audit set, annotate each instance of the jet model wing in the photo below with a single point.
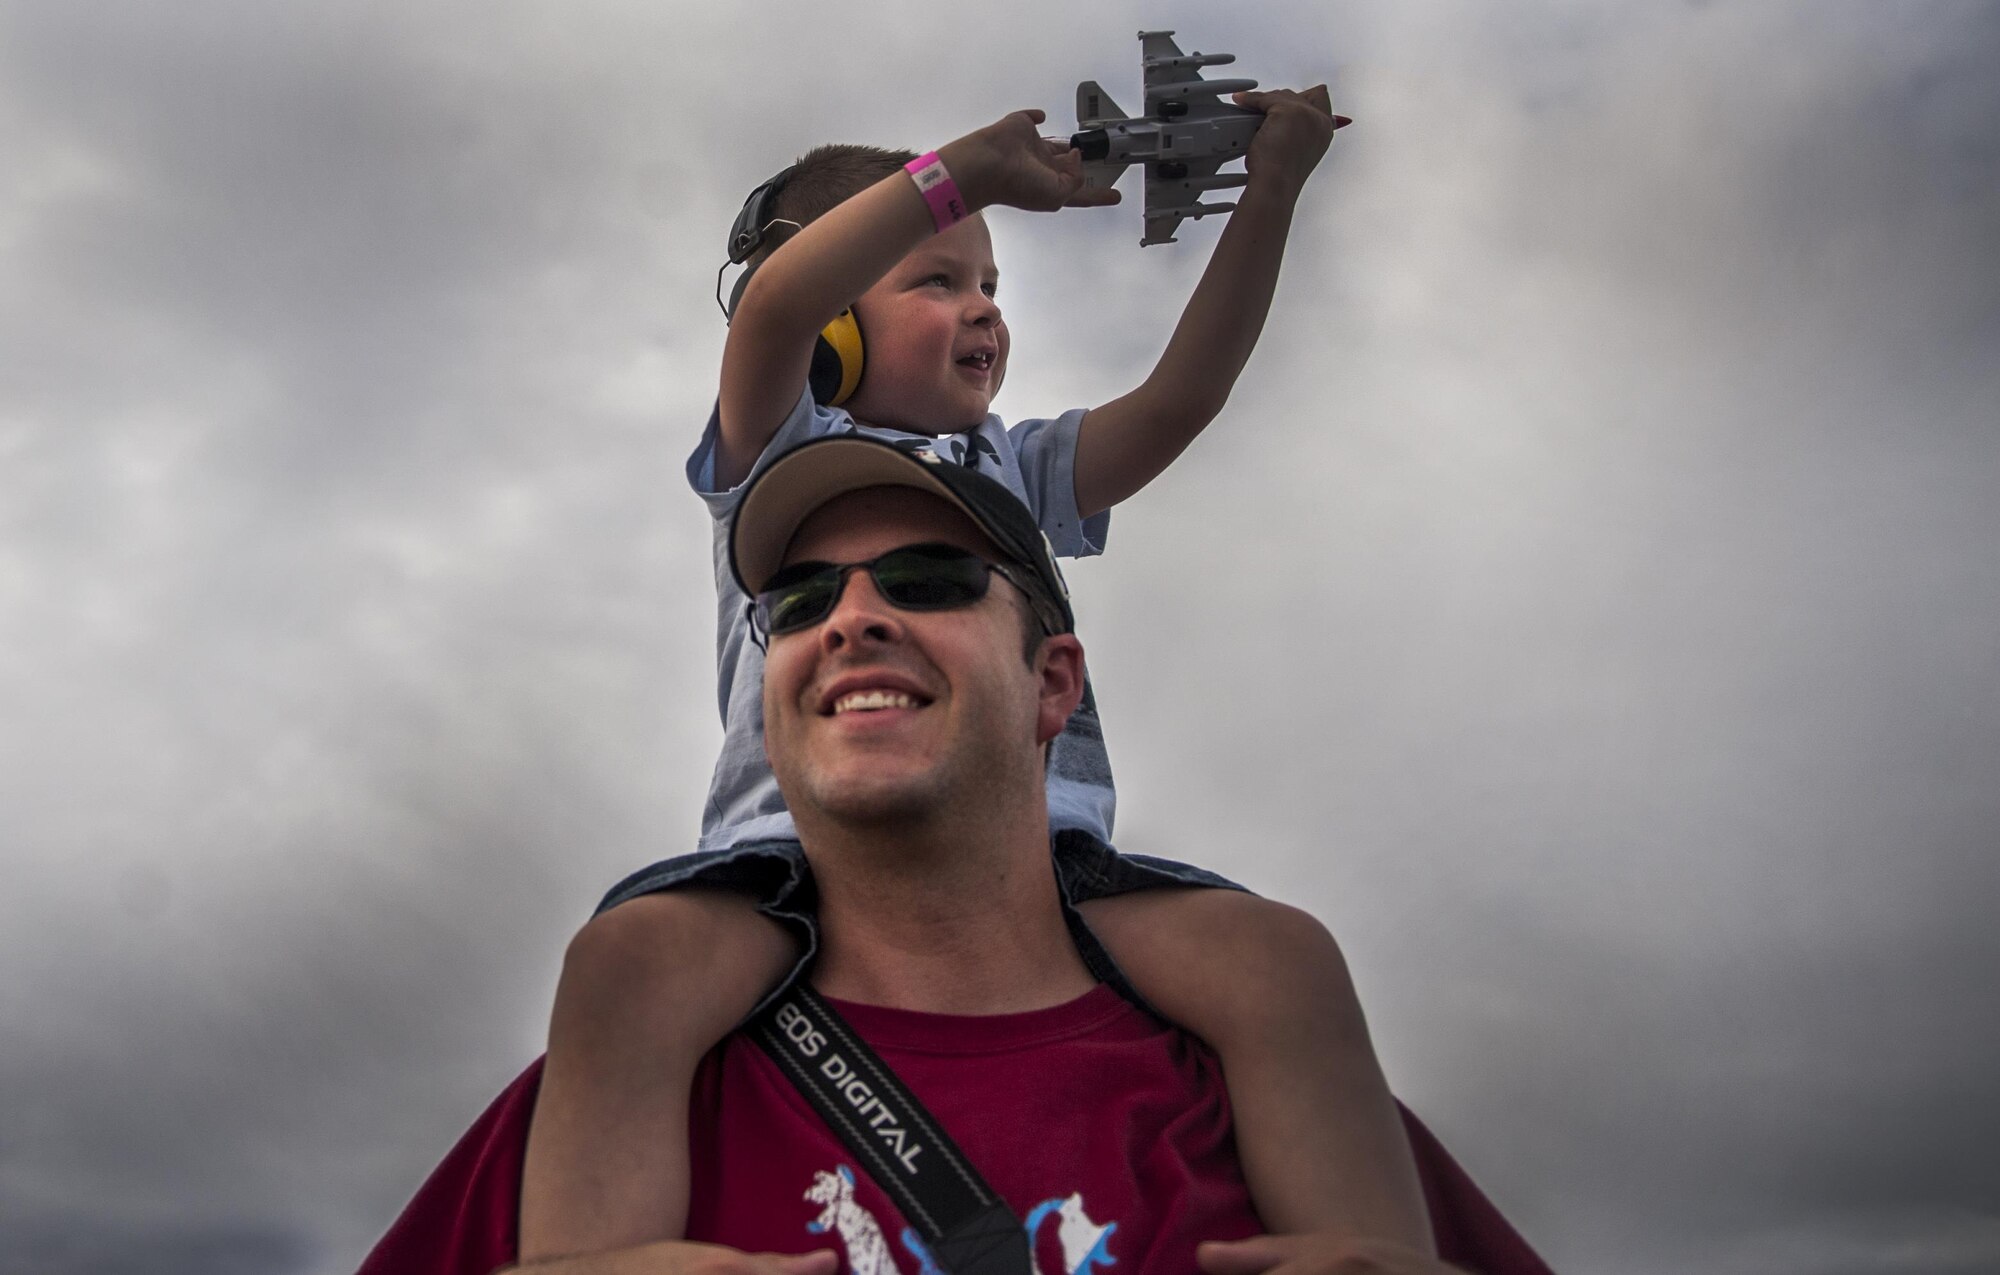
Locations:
(1164, 63)
(1185, 135)
(1171, 199)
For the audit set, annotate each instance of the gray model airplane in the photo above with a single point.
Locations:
(1185, 135)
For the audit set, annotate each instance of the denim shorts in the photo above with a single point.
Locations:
(776, 875)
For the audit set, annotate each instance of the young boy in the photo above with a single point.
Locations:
(651, 984)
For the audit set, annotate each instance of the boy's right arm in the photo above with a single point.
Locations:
(818, 272)
(647, 988)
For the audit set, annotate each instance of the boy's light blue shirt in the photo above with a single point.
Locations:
(1036, 460)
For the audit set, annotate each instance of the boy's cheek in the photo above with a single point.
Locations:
(1006, 339)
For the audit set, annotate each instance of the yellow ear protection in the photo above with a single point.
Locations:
(837, 358)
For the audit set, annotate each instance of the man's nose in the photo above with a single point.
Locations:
(983, 311)
(860, 615)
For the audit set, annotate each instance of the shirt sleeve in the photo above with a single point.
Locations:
(806, 420)
(464, 1219)
(1046, 450)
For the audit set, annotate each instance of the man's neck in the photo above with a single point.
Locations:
(945, 920)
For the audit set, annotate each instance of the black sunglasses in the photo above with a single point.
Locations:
(926, 577)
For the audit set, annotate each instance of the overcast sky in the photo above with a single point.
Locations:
(1589, 603)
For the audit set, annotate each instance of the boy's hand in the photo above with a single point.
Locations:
(1009, 162)
(1319, 1254)
(678, 1257)
(1296, 131)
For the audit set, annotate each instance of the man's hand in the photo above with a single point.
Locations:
(1009, 162)
(1297, 129)
(1321, 1254)
(681, 1257)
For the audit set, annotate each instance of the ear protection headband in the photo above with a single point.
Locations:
(837, 354)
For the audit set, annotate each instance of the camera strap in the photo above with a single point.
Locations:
(967, 1227)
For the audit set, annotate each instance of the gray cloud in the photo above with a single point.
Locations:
(79, 1246)
(1585, 604)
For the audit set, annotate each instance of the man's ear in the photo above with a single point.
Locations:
(1059, 666)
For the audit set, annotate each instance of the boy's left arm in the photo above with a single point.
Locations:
(1265, 985)
(1129, 441)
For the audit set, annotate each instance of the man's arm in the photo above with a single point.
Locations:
(1129, 441)
(819, 272)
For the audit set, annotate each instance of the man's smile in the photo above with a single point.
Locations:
(870, 692)
(870, 701)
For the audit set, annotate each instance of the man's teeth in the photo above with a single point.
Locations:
(864, 701)
(978, 360)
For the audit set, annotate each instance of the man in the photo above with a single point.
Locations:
(910, 687)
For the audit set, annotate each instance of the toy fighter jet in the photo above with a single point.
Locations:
(1186, 133)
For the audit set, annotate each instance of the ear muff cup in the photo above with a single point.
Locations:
(837, 362)
(837, 359)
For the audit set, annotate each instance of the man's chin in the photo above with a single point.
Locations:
(878, 810)
(875, 801)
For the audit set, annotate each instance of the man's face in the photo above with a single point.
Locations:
(878, 714)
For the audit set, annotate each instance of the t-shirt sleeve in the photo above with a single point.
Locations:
(1046, 450)
(464, 1219)
(806, 420)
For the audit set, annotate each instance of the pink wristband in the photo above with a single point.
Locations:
(938, 189)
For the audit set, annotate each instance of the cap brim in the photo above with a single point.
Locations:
(810, 475)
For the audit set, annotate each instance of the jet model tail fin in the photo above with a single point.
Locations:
(1095, 110)
(1094, 106)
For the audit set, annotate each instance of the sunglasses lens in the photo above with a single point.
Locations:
(799, 597)
(930, 577)
(915, 578)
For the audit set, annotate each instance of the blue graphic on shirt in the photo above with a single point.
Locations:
(1084, 1241)
(913, 1244)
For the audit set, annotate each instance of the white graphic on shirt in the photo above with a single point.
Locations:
(1084, 1241)
(860, 1234)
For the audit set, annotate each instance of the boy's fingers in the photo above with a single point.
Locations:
(1315, 97)
(821, 1261)
(1265, 99)
(690, 1257)
(1321, 1253)
(1238, 1257)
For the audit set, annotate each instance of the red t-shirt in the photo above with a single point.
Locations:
(1106, 1132)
